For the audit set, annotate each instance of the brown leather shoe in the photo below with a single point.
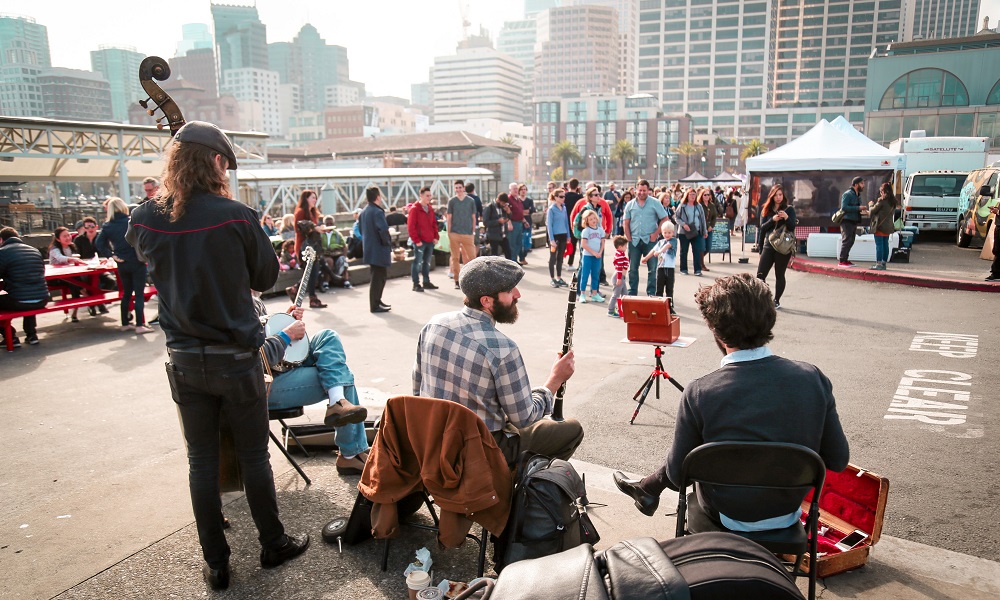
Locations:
(344, 413)
(352, 466)
(315, 302)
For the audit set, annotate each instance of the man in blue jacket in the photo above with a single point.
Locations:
(377, 247)
(853, 209)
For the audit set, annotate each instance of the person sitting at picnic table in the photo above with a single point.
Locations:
(84, 242)
(23, 274)
(61, 251)
(131, 271)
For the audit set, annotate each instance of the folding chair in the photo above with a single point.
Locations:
(756, 466)
(279, 415)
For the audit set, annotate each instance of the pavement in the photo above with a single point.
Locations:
(94, 476)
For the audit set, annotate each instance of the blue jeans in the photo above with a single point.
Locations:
(208, 388)
(423, 254)
(133, 280)
(590, 270)
(514, 240)
(635, 253)
(325, 368)
(882, 248)
(697, 245)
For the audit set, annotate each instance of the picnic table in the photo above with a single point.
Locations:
(60, 281)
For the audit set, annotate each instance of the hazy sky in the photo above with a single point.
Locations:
(390, 43)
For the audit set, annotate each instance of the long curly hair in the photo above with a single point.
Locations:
(189, 167)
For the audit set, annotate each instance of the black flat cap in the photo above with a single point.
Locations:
(210, 136)
(488, 276)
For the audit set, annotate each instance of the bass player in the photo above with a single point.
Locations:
(463, 358)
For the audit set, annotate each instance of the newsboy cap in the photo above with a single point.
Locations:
(210, 136)
(488, 276)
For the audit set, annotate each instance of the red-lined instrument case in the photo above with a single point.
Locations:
(852, 499)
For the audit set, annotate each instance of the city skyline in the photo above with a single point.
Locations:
(425, 32)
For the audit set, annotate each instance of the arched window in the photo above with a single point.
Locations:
(994, 97)
(925, 88)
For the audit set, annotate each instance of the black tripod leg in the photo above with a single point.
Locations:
(645, 391)
(642, 388)
(674, 381)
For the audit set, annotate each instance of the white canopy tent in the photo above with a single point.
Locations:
(826, 147)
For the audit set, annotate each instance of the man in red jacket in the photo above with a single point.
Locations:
(422, 227)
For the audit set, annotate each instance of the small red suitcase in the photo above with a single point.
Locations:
(649, 320)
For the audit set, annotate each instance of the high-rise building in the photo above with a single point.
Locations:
(240, 37)
(628, 35)
(75, 94)
(533, 7)
(120, 66)
(312, 64)
(936, 19)
(762, 69)
(477, 82)
(257, 93)
(194, 36)
(517, 39)
(577, 51)
(198, 67)
(24, 53)
(421, 94)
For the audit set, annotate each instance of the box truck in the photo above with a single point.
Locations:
(936, 170)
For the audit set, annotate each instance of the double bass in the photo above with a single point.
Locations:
(151, 70)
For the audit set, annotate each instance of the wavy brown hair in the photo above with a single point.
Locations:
(772, 205)
(189, 167)
(739, 310)
(304, 204)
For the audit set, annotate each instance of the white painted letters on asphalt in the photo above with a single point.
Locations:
(934, 396)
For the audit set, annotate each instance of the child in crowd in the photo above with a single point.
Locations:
(592, 243)
(286, 260)
(621, 267)
(666, 252)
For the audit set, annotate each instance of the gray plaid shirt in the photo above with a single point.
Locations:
(463, 358)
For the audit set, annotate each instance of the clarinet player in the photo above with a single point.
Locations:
(205, 253)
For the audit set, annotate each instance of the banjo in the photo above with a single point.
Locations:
(298, 350)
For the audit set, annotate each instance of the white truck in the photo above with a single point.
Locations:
(936, 169)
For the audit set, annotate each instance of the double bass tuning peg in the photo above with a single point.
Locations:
(145, 103)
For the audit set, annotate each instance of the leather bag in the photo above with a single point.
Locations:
(837, 217)
(782, 240)
(649, 320)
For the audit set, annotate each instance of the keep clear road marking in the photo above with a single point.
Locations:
(938, 399)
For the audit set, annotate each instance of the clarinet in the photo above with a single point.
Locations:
(557, 408)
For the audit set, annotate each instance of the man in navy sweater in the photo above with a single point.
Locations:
(754, 396)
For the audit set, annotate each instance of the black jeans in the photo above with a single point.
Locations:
(770, 257)
(208, 388)
(379, 275)
(556, 258)
(28, 323)
(496, 246)
(665, 284)
(133, 280)
(313, 276)
(848, 231)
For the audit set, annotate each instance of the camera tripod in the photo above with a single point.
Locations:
(653, 379)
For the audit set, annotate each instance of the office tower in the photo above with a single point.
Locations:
(937, 19)
(533, 7)
(517, 40)
(198, 67)
(259, 99)
(477, 82)
(24, 53)
(194, 36)
(764, 69)
(628, 36)
(312, 64)
(120, 66)
(240, 37)
(75, 94)
(577, 51)
(421, 94)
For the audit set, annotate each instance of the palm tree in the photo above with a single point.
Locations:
(687, 150)
(509, 140)
(624, 152)
(753, 148)
(564, 151)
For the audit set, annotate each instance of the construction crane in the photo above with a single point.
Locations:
(463, 8)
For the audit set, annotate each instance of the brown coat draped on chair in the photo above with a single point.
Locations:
(444, 448)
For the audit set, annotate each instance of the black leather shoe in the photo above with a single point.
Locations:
(646, 503)
(294, 546)
(429, 286)
(417, 288)
(218, 579)
(380, 309)
(384, 305)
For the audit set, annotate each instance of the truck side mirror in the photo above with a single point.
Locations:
(985, 191)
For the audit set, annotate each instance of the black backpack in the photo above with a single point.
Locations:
(548, 512)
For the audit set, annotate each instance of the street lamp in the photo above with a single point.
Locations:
(592, 156)
(548, 170)
(704, 159)
(670, 164)
(659, 159)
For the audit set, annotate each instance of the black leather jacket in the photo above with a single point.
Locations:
(23, 271)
